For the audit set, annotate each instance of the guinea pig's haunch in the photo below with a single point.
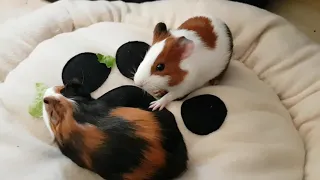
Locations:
(118, 143)
(185, 59)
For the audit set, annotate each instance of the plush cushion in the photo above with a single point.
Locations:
(270, 90)
(258, 128)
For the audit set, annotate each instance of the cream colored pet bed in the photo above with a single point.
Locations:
(271, 90)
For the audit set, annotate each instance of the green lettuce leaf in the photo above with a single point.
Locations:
(109, 61)
(35, 108)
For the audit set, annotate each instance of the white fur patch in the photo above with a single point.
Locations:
(156, 83)
(46, 119)
(143, 74)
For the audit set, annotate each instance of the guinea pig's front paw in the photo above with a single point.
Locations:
(159, 104)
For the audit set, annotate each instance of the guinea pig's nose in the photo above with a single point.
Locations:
(46, 100)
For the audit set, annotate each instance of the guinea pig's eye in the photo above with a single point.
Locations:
(160, 67)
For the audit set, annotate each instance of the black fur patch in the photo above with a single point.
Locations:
(203, 114)
(72, 147)
(128, 96)
(173, 143)
(230, 36)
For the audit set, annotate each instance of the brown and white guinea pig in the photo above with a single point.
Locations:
(184, 59)
(118, 143)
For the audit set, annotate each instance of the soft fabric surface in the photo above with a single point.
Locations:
(270, 89)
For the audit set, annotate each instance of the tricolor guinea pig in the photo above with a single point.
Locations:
(118, 143)
(184, 59)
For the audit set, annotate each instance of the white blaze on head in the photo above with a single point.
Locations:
(143, 74)
(50, 92)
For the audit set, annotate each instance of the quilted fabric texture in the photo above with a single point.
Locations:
(270, 89)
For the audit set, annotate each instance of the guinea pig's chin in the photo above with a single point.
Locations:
(155, 86)
(46, 120)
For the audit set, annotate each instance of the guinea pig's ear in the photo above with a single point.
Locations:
(160, 32)
(75, 83)
(160, 28)
(75, 88)
(186, 45)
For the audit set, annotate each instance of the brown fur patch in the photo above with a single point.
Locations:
(92, 139)
(160, 37)
(148, 129)
(84, 137)
(58, 89)
(171, 58)
(203, 27)
(57, 108)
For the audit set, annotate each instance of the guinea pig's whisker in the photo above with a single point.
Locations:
(67, 85)
(74, 102)
(133, 72)
(145, 92)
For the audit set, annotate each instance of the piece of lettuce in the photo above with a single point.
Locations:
(109, 61)
(35, 108)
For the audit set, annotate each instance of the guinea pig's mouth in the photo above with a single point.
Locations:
(159, 93)
(154, 90)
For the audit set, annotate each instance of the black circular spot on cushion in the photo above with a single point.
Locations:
(203, 114)
(85, 68)
(129, 56)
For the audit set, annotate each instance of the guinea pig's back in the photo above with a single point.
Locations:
(135, 144)
(173, 143)
(166, 147)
